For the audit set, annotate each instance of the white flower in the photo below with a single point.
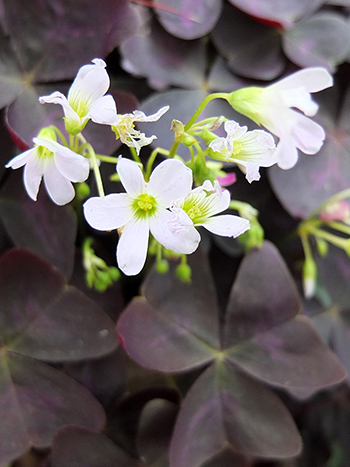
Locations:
(86, 98)
(58, 165)
(141, 209)
(124, 128)
(199, 207)
(250, 149)
(272, 108)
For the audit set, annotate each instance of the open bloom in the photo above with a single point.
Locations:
(124, 128)
(199, 208)
(272, 108)
(250, 149)
(58, 165)
(141, 209)
(86, 98)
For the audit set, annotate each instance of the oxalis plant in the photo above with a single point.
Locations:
(226, 373)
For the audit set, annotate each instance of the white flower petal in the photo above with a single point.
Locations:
(32, 175)
(141, 117)
(108, 213)
(287, 153)
(91, 83)
(300, 99)
(71, 165)
(252, 173)
(21, 159)
(132, 246)
(218, 144)
(227, 225)
(215, 203)
(58, 187)
(313, 79)
(59, 98)
(104, 111)
(183, 240)
(170, 180)
(131, 176)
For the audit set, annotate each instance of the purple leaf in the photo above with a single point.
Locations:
(263, 296)
(259, 55)
(290, 356)
(42, 317)
(52, 40)
(155, 429)
(175, 326)
(36, 401)
(322, 40)
(284, 12)
(164, 59)
(189, 19)
(41, 227)
(226, 408)
(79, 447)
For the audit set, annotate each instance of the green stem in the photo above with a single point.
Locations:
(340, 227)
(60, 135)
(134, 155)
(151, 160)
(306, 247)
(337, 241)
(96, 170)
(204, 103)
(112, 160)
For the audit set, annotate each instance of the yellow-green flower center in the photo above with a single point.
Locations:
(43, 153)
(237, 148)
(80, 107)
(145, 205)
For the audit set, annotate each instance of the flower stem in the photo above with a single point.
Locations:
(151, 160)
(112, 160)
(135, 155)
(204, 103)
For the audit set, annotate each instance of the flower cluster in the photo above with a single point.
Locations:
(163, 202)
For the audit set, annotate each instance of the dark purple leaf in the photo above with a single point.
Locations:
(41, 227)
(42, 317)
(83, 448)
(36, 401)
(155, 429)
(175, 326)
(263, 296)
(189, 19)
(322, 40)
(226, 408)
(284, 12)
(291, 355)
(105, 377)
(221, 79)
(164, 59)
(52, 40)
(253, 49)
(12, 82)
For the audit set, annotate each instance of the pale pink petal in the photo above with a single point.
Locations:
(104, 111)
(131, 176)
(307, 134)
(21, 159)
(108, 213)
(218, 144)
(132, 246)
(287, 153)
(300, 99)
(141, 117)
(169, 181)
(91, 83)
(252, 172)
(60, 189)
(226, 225)
(184, 240)
(32, 175)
